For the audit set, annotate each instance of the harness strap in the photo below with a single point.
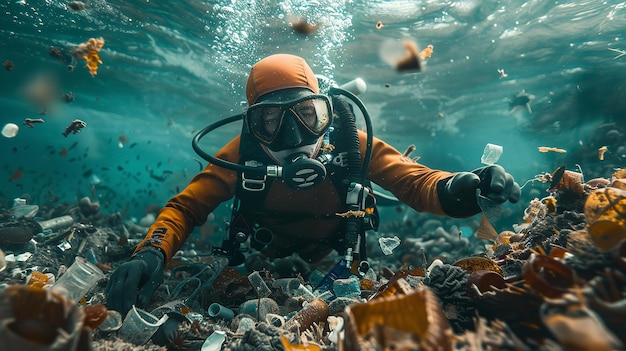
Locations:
(252, 191)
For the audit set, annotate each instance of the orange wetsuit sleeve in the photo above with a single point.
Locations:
(191, 206)
(412, 183)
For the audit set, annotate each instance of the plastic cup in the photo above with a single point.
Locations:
(218, 311)
(112, 323)
(214, 341)
(78, 279)
(139, 326)
(491, 154)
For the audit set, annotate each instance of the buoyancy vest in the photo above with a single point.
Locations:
(250, 217)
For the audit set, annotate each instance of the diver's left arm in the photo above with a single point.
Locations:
(412, 183)
(434, 191)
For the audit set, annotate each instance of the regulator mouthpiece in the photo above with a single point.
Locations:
(302, 172)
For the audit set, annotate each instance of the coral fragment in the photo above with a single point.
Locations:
(88, 51)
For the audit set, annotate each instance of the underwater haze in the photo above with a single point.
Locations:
(519, 74)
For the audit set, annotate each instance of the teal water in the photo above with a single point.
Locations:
(171, 68)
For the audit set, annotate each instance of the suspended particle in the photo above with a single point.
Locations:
(77, 5)
(10, 130)
(601, 152)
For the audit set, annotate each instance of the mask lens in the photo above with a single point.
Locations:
(265, 122)
(265, 119)
(314, 114)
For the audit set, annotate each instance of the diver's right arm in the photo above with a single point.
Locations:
(135, 281)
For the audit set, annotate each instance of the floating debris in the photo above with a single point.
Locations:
(427, 52)
(88, 51)
(74, 127)
(601, 152)
(409, 150)
(379, 25)
(121, 140)
(68, 97)
(62, 56)
(521, 100)
(388, 244)
(10, 130)
(55, 52)
(301, 26)
(17, 174)
(551, 149)
(8, 65)
(77, 5)
(619, 51)
(411, 59)
(491, 154)
(30, 122)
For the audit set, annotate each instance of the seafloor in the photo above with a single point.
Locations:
(555, 282)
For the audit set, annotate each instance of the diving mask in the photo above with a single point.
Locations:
(280, 124)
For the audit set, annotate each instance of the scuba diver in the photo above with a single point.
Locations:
(300, 176)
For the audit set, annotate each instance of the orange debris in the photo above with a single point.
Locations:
(16, 175)
(88, 51)
(553, 149)
(411, 60)
(601, 152)
(426, 52)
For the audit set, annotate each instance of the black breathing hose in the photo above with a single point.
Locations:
(356, 173)
(354, 139)
(195, 143)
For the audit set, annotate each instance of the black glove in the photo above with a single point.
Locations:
(135, 281)
(457, 194)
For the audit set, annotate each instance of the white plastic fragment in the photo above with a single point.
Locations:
(214, 341)
(388, 244)
(23, 257)
(138, 326)
(10, 130)
(64, 245)
(336, 326)
(3, 261)
(491, 154)
(435, 263)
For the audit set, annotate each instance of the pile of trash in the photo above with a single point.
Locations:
(555, 282)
